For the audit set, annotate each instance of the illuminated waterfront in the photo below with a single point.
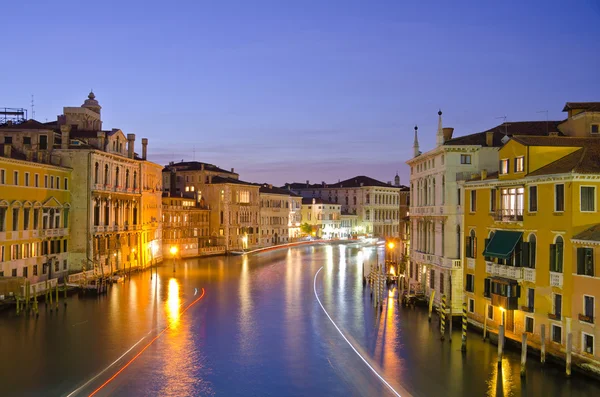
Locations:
(258, 330)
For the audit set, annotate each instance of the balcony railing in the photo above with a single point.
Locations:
(508, 303)
(509, 215)
(587, 319)
(527, 309)
(556, 279)
(529, 274)
(504, 270)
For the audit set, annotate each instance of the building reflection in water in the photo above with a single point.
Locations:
(246, 317)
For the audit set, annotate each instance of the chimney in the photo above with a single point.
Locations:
(7, 150)
(101, 137)
(130, 145)
(232, 170)
(144, 148)
(202, 167)
(483, 174)
(489, 138)
(307, 183)
(64, 136)
(314, 201)
(323, 183)
(447, 131)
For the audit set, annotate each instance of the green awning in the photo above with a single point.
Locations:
(502, 244)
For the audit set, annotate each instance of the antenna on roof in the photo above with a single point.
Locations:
(32, 106)
(505, 124)
(545, 111)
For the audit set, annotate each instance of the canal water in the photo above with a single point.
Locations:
(253, 326)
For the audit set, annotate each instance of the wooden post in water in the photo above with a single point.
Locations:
(65, 292)
(450, 319)
(46, 293)
(27, 283)
(523, 353)
(443, 318)
(56, 289)
(543, 347)
(485, 317)
(431, 304)
(50, 294)
(35, 302)
(17, 300)
(500, 343)
(569, 348)
(463, 347)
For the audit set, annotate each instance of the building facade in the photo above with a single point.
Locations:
(274, 215)
(185, 226)
(35, 204)
(375, 203)
(531, 240)
(323, 216)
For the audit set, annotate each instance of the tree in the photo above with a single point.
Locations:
(305, 228)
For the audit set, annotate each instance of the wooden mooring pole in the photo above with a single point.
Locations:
(463, 347)
(523, 353)
(443, 318)
(500, 343)
(543, 344)
(569, 348)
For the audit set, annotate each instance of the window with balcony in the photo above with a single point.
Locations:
(588, 309)
(471, 245)
(587, 202)
(556, 255)
(585, 261)
(533, 205)
(559, 197)
(470, 287)
(529, 324)
(15, 219)
(519, 164)
(528, 253)
(511, 204)
(504, 166)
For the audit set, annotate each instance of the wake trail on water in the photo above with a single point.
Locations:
(404, 392)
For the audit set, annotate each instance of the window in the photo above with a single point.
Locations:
(51, 182)
(442, 283)
(8, 139)
(530, 298)
(556, 255)
(470, 283)
(45, 181)
(585, 261)
(43, 142)
(473, 207)
(559, 198)
(511, 204)
(504, 166)
(595, 128)
(432, 279)
(36, 180)
(15, 219)
(528, 252)
(556, 333)
(3, 219)
(490, 312)
(529, 324)
(533, 199)
(588, 343)
(465, 159)
(35, 270)
(519, 164)
(25, 271)
(26, 212)
(588, 306)
(66, 185)
(471, 245)
(458, 198)
(492, 200)
(487, 287)
(2, 177)
(557, 306)
(15, 177)
(27, 179)
(471, 305)
(588, 199)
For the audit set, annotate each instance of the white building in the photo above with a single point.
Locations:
(323, 216)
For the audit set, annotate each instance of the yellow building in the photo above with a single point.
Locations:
(34, 217)
(530, 239)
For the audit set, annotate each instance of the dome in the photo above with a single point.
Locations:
(91, 103)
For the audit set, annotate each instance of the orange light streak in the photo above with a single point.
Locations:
(145, 347)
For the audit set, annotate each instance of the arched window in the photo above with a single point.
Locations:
(529, 252)
(433, 195)
(96, 171)
(459, 241)
(135, 179)
(106, 174)
(126, 179)
(556, 255)
(368, 213)
(117, 177)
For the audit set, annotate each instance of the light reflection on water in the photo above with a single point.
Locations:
(173, 304)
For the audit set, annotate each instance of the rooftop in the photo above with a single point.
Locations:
(521, 128)
(196, 166)
(586, 106)
(590, 234)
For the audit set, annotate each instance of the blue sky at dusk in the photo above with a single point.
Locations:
(297, 90)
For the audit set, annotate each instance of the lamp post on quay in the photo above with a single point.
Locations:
(173, 251)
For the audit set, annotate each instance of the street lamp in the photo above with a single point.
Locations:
(173, 251)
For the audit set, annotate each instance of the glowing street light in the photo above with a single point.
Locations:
(391, 245)
(173, 250)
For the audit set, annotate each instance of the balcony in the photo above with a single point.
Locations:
(553, 316)
(53, 232)
(508, 303)
(527, 309)
(509, 215)
(529, 275)
(513, 272)
(586, 319)
(556, 279)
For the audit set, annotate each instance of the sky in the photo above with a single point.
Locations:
(289, 90)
